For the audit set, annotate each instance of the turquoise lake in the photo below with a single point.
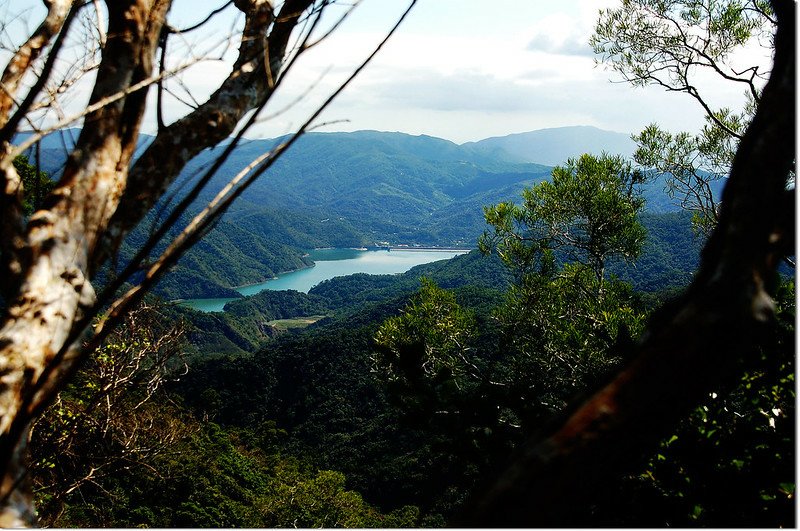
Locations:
(330, 263)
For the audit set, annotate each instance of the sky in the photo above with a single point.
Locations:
(462, 70)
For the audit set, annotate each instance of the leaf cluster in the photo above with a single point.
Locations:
(589, 210)
(36, 184)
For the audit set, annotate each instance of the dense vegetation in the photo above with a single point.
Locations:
(311, 427)
(374, 400)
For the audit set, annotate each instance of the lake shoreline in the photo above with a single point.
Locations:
(399, 247)
(334, 262)
(275, 277)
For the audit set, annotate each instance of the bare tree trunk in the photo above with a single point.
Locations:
(689, 347)
(60, 244)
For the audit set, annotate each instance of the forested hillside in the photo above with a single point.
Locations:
(350, 190)
(290, 400)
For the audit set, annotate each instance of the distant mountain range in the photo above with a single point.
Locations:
(554, 146)
(353, 189)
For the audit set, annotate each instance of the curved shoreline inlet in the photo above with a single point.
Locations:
(331, 263)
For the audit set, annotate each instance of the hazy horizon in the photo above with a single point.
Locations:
(451, 71)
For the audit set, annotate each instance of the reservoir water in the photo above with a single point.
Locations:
(330, 263)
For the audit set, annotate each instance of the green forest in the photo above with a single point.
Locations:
(408, 390)
(617, 347)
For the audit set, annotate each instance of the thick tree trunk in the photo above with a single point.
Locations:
(60, 245)
(100, 198)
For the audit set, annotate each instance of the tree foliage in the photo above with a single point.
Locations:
(430, 340)
(589, 210)
(561, 338)
(563, 321)
(36, 184)
(695, 164)
(668, 44)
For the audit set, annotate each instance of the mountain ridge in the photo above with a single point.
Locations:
(355, 188)
(554, 145)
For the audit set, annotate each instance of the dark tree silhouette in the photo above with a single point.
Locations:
(702, 339)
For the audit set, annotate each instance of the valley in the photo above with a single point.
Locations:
(285, 311)
(350, 190)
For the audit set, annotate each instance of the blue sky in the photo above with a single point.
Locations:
(457, 69)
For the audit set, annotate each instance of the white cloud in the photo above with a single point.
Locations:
(571, 45)
(560, 34)
(459, 69)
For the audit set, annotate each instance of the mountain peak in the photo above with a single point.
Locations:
(553, 146)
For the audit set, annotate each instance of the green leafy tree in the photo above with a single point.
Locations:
(428, 342)
(562, 325)
(450, 388)
(589, 210)
(559, 337)
(668, 43)
(321, 501)
(219, 480)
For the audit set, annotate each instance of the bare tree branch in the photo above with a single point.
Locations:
(25, 56)
(243, 90)
(25, 105)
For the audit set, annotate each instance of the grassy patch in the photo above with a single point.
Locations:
(295, 322)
